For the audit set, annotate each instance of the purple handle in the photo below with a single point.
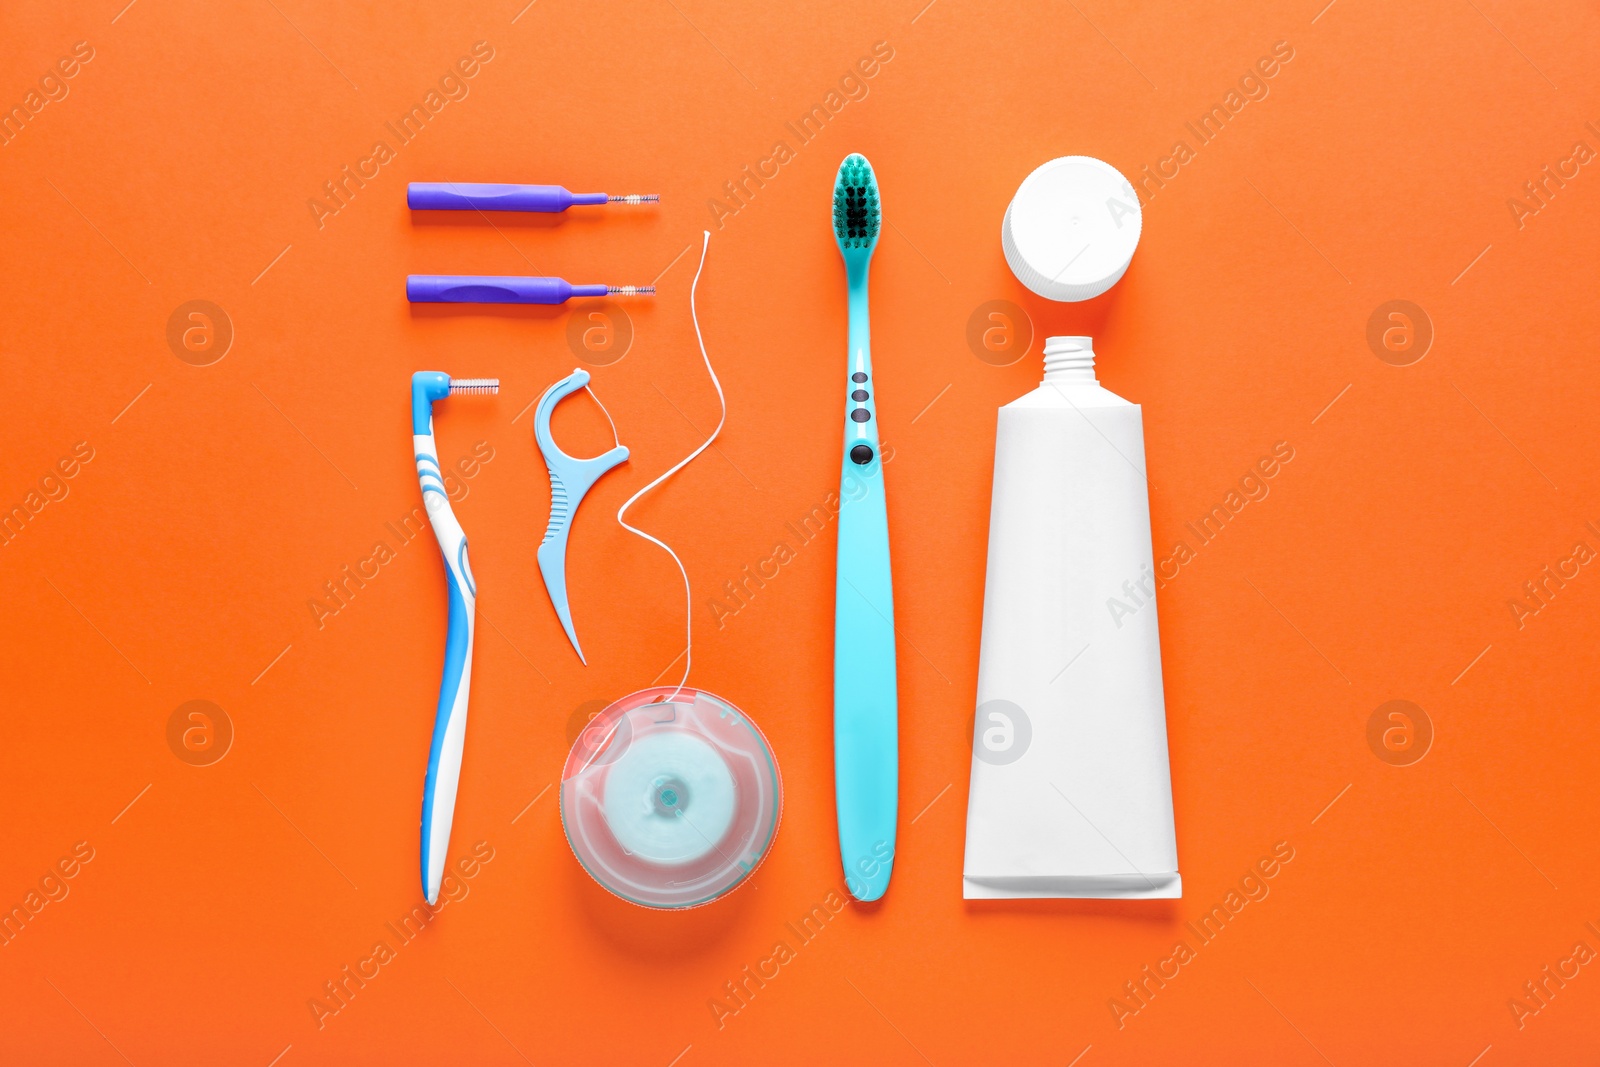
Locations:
(493, 289)
(455, 196)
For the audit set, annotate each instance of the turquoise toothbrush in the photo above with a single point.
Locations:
(450, 720)
(866, 748)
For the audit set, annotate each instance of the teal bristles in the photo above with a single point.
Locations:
(856, 214)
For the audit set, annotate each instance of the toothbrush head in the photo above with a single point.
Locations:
(430, 385)
(856, 213)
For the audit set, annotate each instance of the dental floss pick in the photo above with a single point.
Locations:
(671, 796)
(571, 478)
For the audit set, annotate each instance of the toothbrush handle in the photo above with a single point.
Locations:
(450, 719)
(456, 196)
(493, 289)
(865, 698)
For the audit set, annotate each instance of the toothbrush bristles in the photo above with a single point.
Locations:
(635, 198)
(631, 290)
(474, 385)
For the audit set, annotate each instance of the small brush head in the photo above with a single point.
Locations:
(856, 213)
(428, 386)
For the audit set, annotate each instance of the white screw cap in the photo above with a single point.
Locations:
(1071, 229)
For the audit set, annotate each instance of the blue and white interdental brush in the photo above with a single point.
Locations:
(866, 744)
(450, 721)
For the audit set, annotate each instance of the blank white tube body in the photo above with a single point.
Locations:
(1071, 791)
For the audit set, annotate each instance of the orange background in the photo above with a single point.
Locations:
(181, 563)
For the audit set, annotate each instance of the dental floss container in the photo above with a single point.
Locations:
(1070, 231)
(670, 801)
(1071, 792)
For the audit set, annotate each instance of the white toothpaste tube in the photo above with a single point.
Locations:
(1071, 791)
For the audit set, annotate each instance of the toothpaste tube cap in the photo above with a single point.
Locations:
(1070, 230)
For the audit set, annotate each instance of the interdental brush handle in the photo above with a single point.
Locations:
(494, 289)
(457, 196)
